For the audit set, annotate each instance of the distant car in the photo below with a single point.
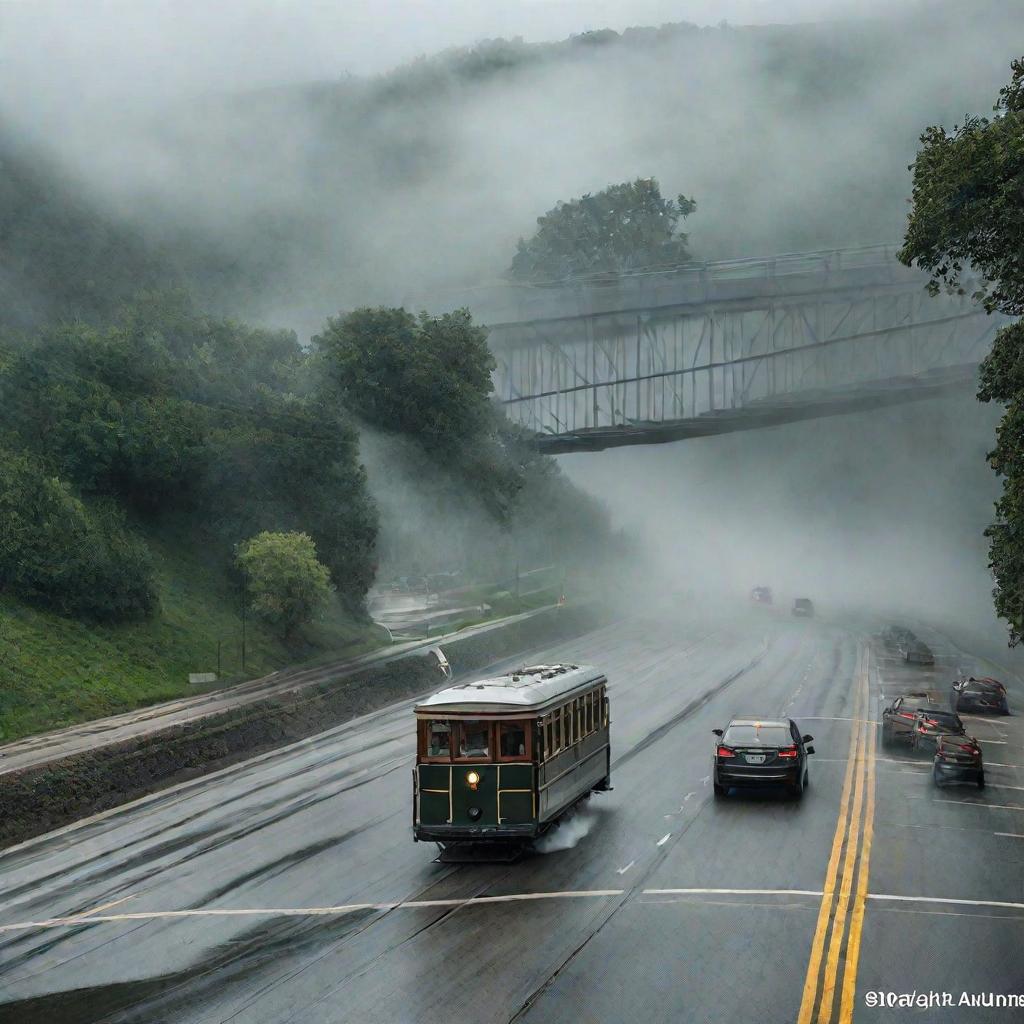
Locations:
(979, 694)
(803, 607)
(918, 653)
(958, 759)
(897, 637)
(899, 717)
(761, 595)
(932, 722)
(755, 752)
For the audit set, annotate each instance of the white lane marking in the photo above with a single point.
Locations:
(706, 779)
(997, 764)
(348, 908)
(664, 839)
(687, 797)
(622, 871)
(733, 892)
(1009, 835)
(999, 785)
(946, 900)
(85, 914)
(152, 915)
(974, 803)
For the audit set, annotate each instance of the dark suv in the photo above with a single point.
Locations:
(804, 607)
(761, 752)
(979, 694)
(899, 719)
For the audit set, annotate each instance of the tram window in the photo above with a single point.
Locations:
(512, 740)
(577, 706)
(474, 739)
(439, 739)
(604, 709)
(549, 737)
(567, 725)
(558, 732)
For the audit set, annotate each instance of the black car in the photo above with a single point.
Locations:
(803, 606)
(917, 652)
(982, 694)
(898, 637)
(958, 759)
(899, 719)
(934, 722)
(761, 595)
(761, 752)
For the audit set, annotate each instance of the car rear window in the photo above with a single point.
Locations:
(754, 736)
(945, 717)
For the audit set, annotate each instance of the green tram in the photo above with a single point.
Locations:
(500, 760)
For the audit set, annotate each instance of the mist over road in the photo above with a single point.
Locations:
(288, 888)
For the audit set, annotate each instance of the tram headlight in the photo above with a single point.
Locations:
(473, 779)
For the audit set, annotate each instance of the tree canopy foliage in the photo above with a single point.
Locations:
(427, 376)
(968, 210)
(57, 553)
(287, 586)
(622, 227)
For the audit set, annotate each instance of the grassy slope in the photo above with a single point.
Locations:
(56, 671)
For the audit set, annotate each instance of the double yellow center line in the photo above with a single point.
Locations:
(836, 946)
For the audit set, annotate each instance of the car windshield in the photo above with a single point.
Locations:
(758, 736)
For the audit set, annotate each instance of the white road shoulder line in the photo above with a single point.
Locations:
(1009, 835)
(622, 871)
(664, 839)
(350, 908)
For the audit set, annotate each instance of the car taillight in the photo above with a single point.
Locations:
(969, 747)
(904, 714)
(788, 752)
(726, 752)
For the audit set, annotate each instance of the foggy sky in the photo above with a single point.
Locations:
(84, 52)
(860, 507)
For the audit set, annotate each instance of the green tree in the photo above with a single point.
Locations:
(426, 376)
(59, 553)
(620, 228)
(968, 210)
(287, 586)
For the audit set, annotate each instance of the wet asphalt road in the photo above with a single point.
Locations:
(232, 898)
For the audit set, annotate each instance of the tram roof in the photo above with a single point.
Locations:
(534, 686)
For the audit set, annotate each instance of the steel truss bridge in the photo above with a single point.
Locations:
(705, 349)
